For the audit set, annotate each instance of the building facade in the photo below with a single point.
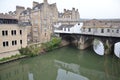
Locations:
(102, 27)
(41, 19)
(42, 16)
(12, 35)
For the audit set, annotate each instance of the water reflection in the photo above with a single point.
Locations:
(67, 75)
(63, 64)
(30, 76)
(117, 49)
(68, 71)
(72, 67)
(98, 47)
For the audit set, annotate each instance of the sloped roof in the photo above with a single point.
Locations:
(38, 6)
(64, 26)
(6, 16)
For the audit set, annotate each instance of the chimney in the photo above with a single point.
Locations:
(64, 10)
(73, 9)
(35, 3)
(19, 9)
(77, 10)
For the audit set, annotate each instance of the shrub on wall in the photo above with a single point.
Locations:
(34, 50)
(54, 43)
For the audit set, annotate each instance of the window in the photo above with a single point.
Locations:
(20, 32)
(117, 31)
(64, 29)
(13, 32)
(20, 41)
(14, 42)
(108, 30)
(89, 29)
(102, 30)
(45, 34)
(68, 29)
(5, 33)
(5, 43)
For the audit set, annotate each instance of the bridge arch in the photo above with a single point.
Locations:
(98, 47)
(71, 39)
(117, 49)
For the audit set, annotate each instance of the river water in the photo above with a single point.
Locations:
(67, 63)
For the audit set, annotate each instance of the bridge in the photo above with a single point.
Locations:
(108, 37)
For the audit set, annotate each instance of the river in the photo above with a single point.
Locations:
(67, 63)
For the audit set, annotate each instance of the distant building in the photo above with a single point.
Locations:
(69, 15)
(101, 27)
(12, 35)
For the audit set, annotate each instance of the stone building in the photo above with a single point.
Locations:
(17, 12)
(69, 15)
(101, 27)
(12, 35)
(41, 19)
(42, 16)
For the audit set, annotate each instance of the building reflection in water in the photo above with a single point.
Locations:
(67, 75)
(14, 71)
(111, 72)
(82, 68)
(72, 71)
(30, 76)
(68, 71)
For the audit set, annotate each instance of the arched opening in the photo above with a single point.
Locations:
(117, 49)
(70, 40)
(98, 47)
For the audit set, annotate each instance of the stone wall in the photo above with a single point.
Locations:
(11, 46)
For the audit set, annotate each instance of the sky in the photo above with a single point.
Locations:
(92, 9)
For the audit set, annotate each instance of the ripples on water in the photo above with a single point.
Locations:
(66, 63)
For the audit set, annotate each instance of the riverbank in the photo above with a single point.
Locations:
(34, 50)
(12, 58)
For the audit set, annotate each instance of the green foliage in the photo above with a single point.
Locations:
(25, 51)
(36, 49)
(54, 43)
(9, 58)
(30, 51)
